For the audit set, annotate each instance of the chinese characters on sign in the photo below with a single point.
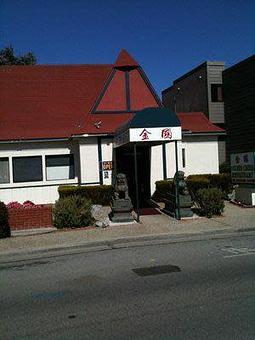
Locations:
(107, 165)
(243, 167)
(149, 134)
(166, 133)
(145, 134)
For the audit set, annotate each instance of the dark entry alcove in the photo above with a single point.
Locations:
(125, 164)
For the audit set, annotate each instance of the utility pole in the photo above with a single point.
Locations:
(176, 163)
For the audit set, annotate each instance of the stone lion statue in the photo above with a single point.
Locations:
(121, 187)
(183, 189)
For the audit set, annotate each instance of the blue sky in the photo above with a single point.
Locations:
(167, 38)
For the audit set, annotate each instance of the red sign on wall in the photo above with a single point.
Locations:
(107, 165)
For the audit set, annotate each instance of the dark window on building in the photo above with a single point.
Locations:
(216, 93)
(60, 167)
(27, 169)
(183, 158)
(4, 170)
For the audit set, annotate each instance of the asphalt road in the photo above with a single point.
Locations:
(206, 292)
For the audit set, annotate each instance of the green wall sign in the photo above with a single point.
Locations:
(243, 167)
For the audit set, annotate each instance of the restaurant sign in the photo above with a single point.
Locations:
(148, 134)
(243, 167)
(163, 134)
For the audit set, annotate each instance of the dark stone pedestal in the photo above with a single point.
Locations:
(185, 201)
(185, 206)
(121, 210)
(185, 212)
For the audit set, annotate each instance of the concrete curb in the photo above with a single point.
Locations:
(122, 242)
(31, 232)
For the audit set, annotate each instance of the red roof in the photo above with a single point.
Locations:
(125, 60)
(197, 122)
(47, 101)
(59, 101)
(106, 123)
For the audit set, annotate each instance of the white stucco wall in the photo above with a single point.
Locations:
(37, 194)
(201, 156)
(170, 158)
(42, 191)
(156, 165)
(201, 153)
(89, 161)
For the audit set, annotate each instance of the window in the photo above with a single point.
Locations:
(4, 170)
(183, 158)
(27, 169)
(59, 167)
(216, 93)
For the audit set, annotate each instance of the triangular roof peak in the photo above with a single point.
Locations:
(124, 60)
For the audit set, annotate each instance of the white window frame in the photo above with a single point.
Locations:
(11, 151)
(71, 157)
(31, 181)
(8, 170)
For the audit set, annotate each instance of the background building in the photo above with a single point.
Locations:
(239, 96)
(200, 90)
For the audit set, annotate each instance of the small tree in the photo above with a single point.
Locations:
(8, 57)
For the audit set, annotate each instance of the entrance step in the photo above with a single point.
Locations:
(149, 211)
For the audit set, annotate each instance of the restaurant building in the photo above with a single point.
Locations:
(76, 124)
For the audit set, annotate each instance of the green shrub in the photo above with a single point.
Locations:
(220, 181)
(72, 212)
(4, 223)
(163, 188)
(210, 201)
(97, 194)
(197, 182)
(224, 168)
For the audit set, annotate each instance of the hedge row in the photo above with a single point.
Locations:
(163, 188)
(207, 190)
(220, 181)
(97, 194)
(194, 183)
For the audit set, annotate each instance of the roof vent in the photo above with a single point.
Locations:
(98, 124)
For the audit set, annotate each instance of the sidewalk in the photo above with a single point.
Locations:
(154, 226)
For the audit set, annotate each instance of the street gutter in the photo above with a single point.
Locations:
(123, 242)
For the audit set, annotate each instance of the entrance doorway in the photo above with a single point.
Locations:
(125, 163)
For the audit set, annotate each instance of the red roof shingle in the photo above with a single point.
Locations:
(45, 101)
(197, 122)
